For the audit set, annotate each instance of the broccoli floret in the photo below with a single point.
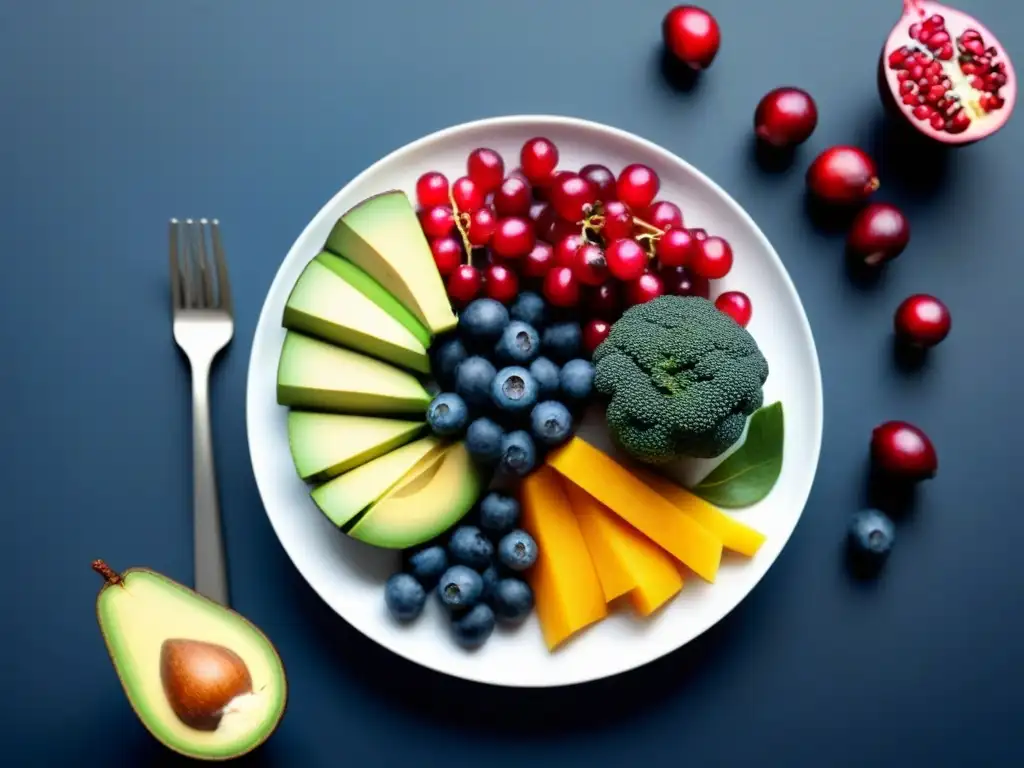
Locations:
(682, 377)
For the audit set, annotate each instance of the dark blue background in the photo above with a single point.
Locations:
(117, 115)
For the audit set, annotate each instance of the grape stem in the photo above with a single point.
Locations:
(462, 220)
(594, 223)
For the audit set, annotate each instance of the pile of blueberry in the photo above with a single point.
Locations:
(476, 574)
(512, 382)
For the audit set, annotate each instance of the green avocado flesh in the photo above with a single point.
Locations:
(324, 305)
(315, 375)
(382, 236)
(137, 615)
(346, 496)
(425, 503)
(324, 445)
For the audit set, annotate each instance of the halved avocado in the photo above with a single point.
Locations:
(425, 503)
(204, 681)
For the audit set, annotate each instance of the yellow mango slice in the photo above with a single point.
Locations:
(565, 584)
(635, 502)
(624, 556)
(735, 536)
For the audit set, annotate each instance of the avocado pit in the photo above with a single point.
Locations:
(201, 681)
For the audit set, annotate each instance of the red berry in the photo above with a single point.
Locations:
(626, 259)
(589, 265)
(513, 237)
(513, 197)
(464, 284)
(594, 332)
(637, 186)
(602, 180)
(486, 168)
(539, 260)
(559, 229)
(878, 234)
(675, 248)
(565, 249)
(447, 253)
(537, 209)
(538, 158)
(699, 234)
(713, 259)
(903, 451)
(605, 300)
(664, 215)
(842, 175)
(922, 320)
(544, 224)
(785, 117)
(468, 195)
(500, 283)
(432, 189)
(646, 287)
(736, 305)
(571, 196)
(618, 221)
(482, 224)
(692, 35)
(680, 281)
(437, 221)
(561, 288)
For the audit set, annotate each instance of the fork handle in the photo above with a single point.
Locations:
(210, 563)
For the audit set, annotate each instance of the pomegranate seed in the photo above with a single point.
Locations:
(467, 194)
(482, 224)
(437, 221)
(675, 247)
(513, 238)
(945, 52)
(995, 80)
(561, 288)
(539, 260)
(626, 259)
(589, 265)
(447, 253)
(996, 102)
(618, 221)
(969, 68)
(938, 39)
(513, 198)
(934, 68)
(974, 46)
(464, 284)
(924, 36)
(960, 122)
(936, 92)
(602, 180)
(500, 283)
(713, 259)
(977, 82)
(923, 112)
(908, 86)
(604, 301)
(571, 196)
(637, 186)
(432, 189)
(916, 72)
(924, 83)
(538, 158)
(971, 34)
(486, 168)
(664, 215)
(915, 31)
(594, 332)
(646, 287)
(938, 122)
(565, 249)
(736, 305)
(898, 56)
(934, 21)
(903, 75)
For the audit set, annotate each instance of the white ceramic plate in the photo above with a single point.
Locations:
(349, 576)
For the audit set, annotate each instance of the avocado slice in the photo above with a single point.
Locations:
(347, 495)
(324, 305)
(324, 445)
(382, 236)
(203, 680)
(315, 375)
(375, 292)
(425, 503)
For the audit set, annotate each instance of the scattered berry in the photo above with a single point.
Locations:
(736, 305)
(561, 288)
(646, 287)
(499, 513)
(518, 345)
(566, 247)
(472, 629)
(842, 175)
(467, 194)
(482, 322)
(871, 533)
(459, 588)
(404, 597)
(664, 215)
(561, 341)
(447, 252)
(513, 197)
(447, 357)
(518, 453)
(483, 440)
(473, 380)
(605, 301)
(538, 261)
(551, 423)
(528, 308)
(482, 223)
(571, 196)
(903, 451)
(626, 259)
(618, 221)
(713, 259)
(517, 550)
(594, 332)
(464, 284)
(468, 546)
(601, 179)
(447, 415)
(922, 320)
(576, 379)
(692, 35)
(545, 372)
(426, 565)
(589, 265)
(680, 281)
(878, 234)
(675, 248)
(486, 168)
(437, 221)
(538, 158)
(785, 117)
(500, 283)
(637, 186)
(514, 390)
(432, 189)
(513, 238)
(512, 599)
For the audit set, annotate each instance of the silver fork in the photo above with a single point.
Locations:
(203, 326)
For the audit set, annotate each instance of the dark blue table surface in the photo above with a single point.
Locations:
(118, 115)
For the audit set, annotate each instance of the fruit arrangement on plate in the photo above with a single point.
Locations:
(442, 350)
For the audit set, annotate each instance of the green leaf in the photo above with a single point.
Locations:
(750, 472)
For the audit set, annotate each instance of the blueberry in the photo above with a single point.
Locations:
(469, 546)
(528, 308)
(518, 453)
(490, 579)
(561, 341)
(577, 379)
(447, 415)
(483, 440)
(517, 550)
(446, 360)
(426, 565)
(871, 533)
(499, 513)
(519, 343)
(512, 600)
(473, 629)
(459, 588)
(551, 423)
(473, 380)
(514, 390)
(482, 322)
(404, 596)
(546, 374)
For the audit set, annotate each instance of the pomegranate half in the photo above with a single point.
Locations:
(946, 74)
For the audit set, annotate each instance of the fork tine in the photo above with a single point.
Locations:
(206, 276)
(224, 287)
(188, 265)
(177, 298)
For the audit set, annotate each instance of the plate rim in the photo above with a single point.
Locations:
(569, 122)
